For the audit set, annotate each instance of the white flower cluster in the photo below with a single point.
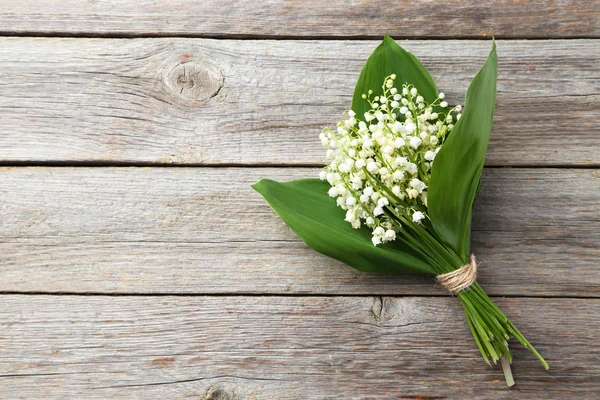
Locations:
(379, 168)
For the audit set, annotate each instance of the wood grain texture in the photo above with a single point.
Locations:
(198, 101)
(337, 18)
(57, 347)
(204, 230)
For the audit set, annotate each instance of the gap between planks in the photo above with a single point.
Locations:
(158, 35)
(283, 294)
(122, 164)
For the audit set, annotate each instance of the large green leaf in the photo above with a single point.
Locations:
(457, 168)
(389, 58)
(305, 206)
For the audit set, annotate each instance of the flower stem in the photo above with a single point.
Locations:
(491, 329)
(507, 372)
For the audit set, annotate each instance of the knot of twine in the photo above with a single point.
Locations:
(461, 278)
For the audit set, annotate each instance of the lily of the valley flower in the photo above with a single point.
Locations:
(381, 167)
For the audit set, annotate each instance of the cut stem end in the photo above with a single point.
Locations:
(507, 371)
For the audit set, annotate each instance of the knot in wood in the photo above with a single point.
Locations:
(194, 81)
(221, 392)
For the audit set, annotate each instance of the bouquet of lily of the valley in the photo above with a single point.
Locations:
(397, 193)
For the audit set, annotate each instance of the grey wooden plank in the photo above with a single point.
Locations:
(161, 100)
(286, 348)
(336, 18)
(204, 230)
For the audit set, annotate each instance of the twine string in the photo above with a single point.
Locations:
(461, 278)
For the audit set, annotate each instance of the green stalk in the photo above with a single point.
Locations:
(487, 317)
(490, 328)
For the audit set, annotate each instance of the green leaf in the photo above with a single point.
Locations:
(387, 59)
(456, 172)
(306, 207)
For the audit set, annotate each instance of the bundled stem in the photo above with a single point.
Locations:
(490, 327)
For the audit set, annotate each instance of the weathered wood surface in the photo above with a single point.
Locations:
(205, 230)
(198, 101)
(204, 234)
(286, 348)
(337, 18)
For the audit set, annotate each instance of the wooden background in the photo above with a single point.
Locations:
(137, 262)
